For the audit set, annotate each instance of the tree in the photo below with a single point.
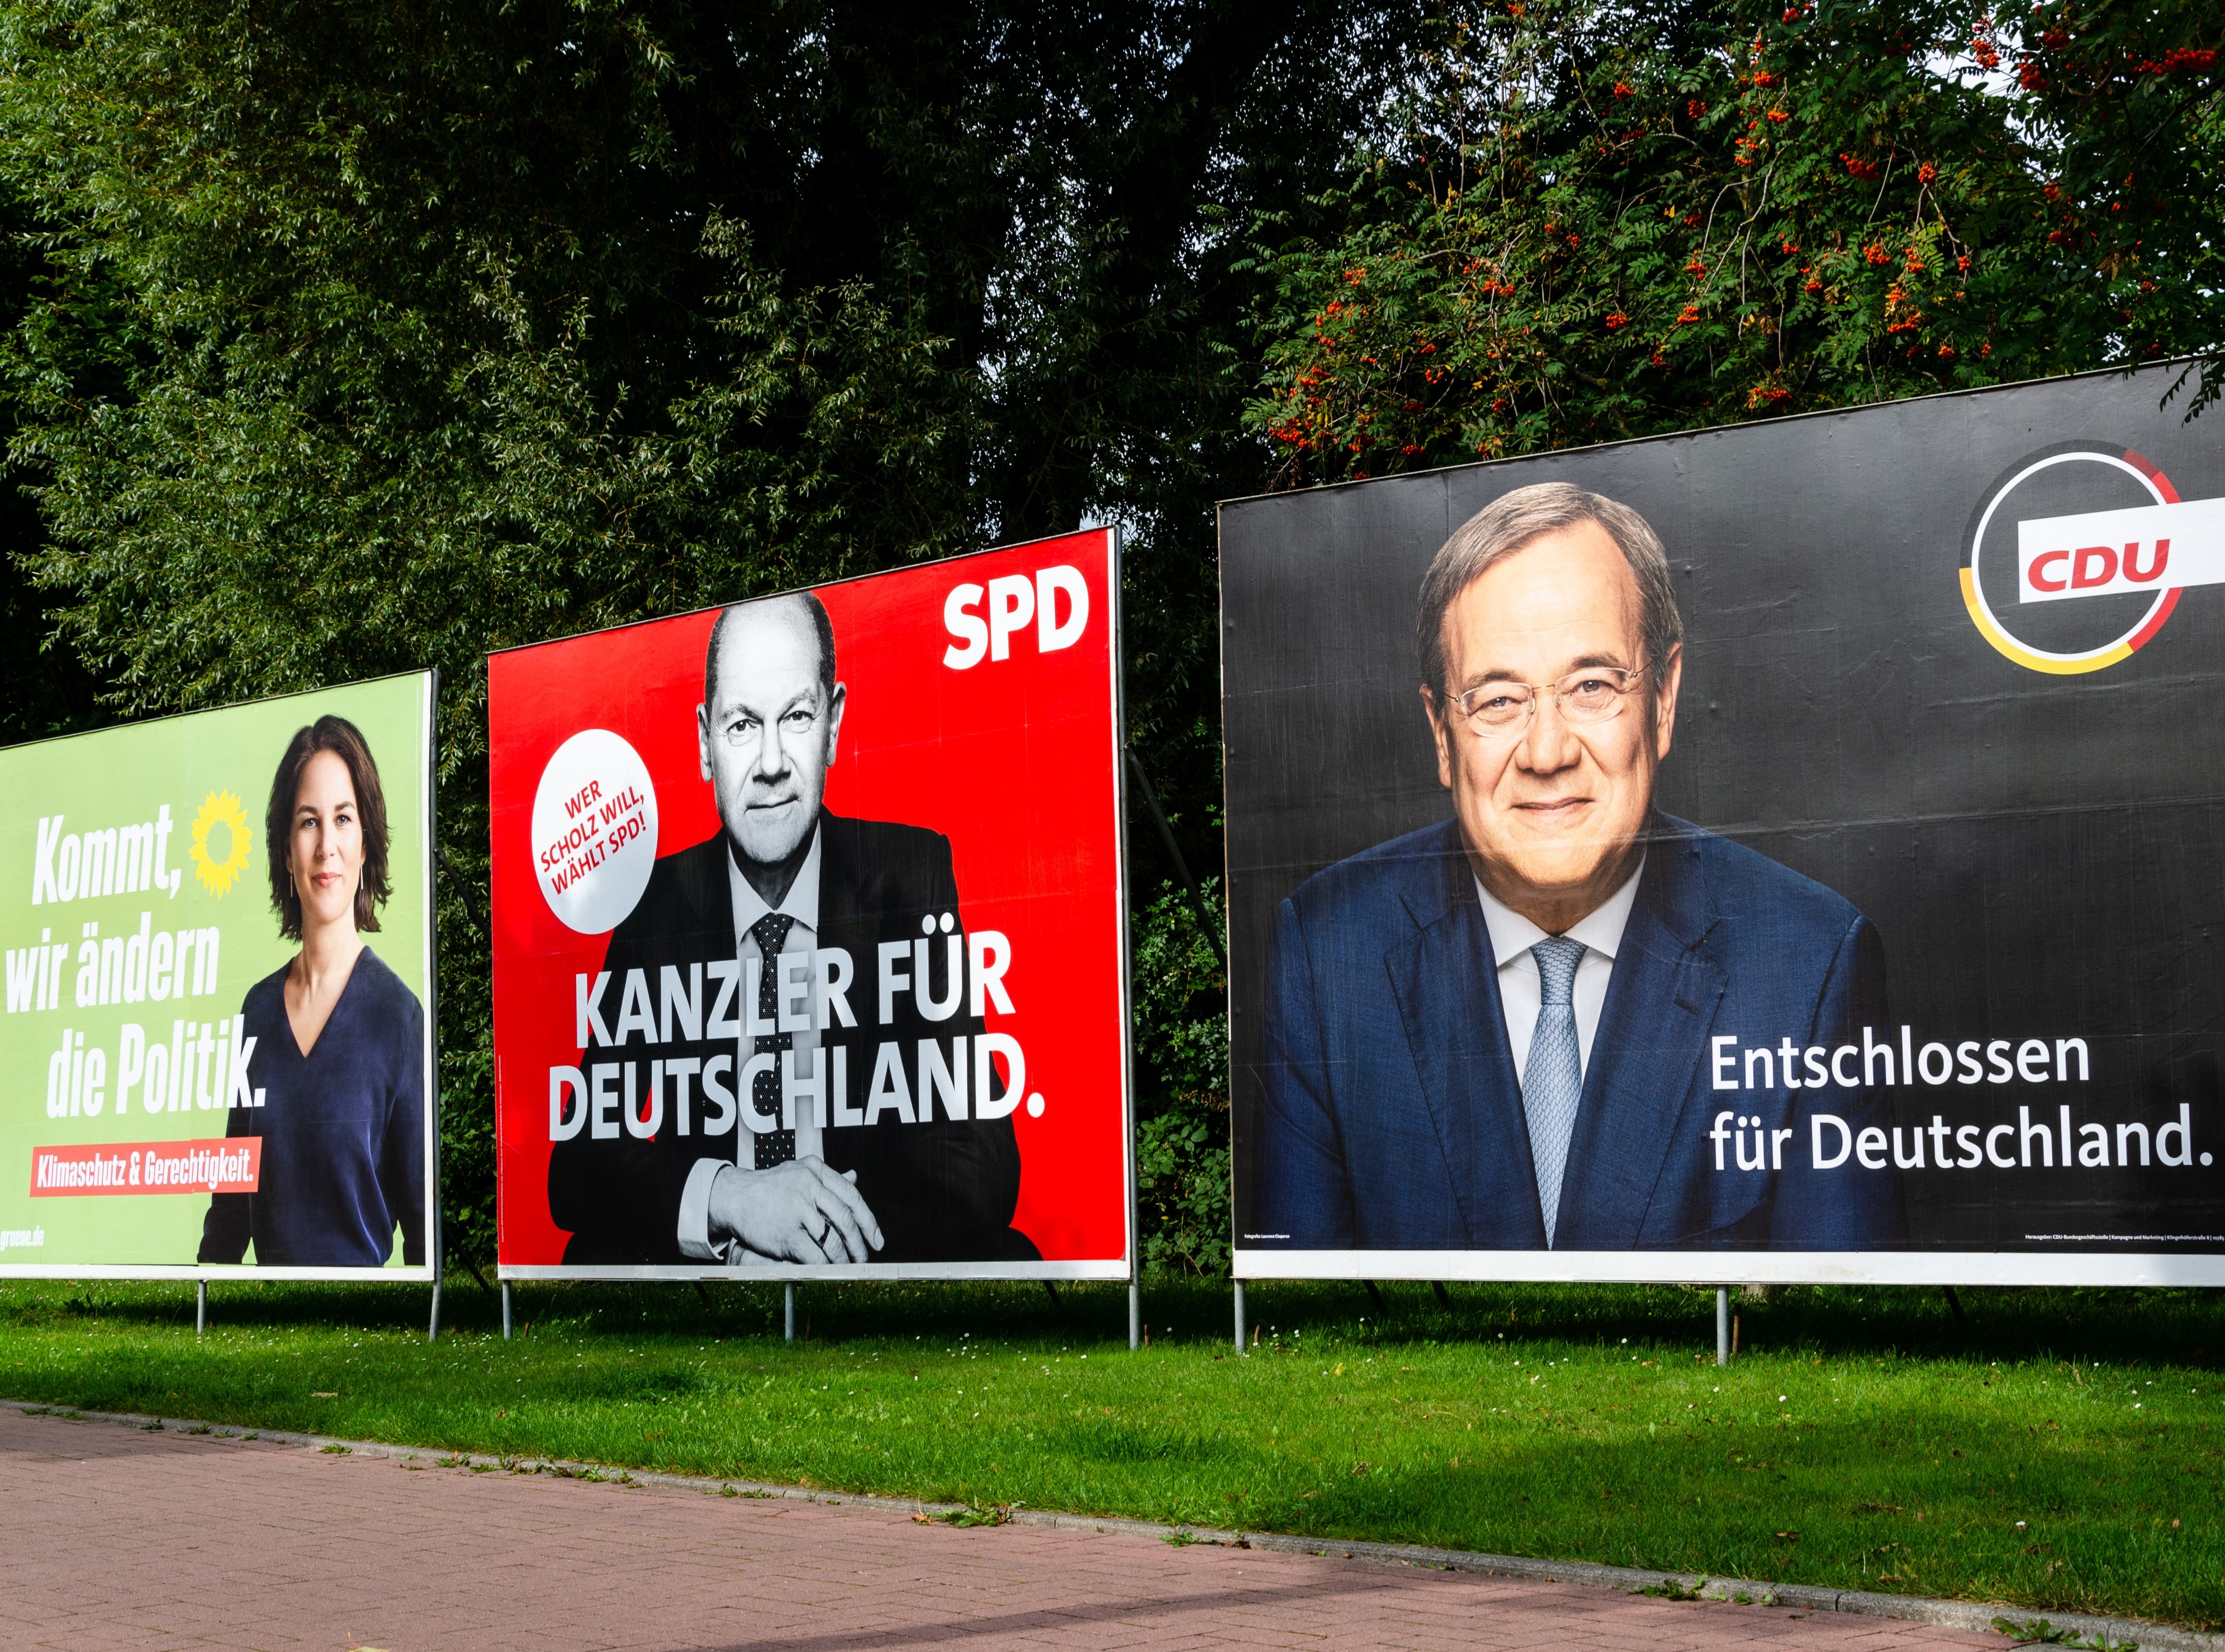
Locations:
(2128, 102)
(1595, 226)
(44, 688)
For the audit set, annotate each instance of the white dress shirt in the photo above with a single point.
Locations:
(801, 904)
(1520, 993)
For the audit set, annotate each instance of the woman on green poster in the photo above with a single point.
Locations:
(338, 1068)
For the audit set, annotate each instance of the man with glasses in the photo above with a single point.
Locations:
(817, 925)
(1500, 1032)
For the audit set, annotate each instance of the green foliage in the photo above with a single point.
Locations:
(2128, 99)
(1181, 1046)
(2038, 1631)
(1600, 224)
(44, 688)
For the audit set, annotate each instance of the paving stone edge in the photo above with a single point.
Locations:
(1919, 1609)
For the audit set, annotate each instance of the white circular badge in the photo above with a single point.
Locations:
(594, 831)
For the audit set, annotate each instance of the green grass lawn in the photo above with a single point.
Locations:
(2061, 1451)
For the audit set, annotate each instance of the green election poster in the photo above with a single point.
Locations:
(218, 938)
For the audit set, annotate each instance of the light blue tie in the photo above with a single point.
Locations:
(1554, 1078)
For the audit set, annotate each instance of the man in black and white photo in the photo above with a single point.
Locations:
(837, 949)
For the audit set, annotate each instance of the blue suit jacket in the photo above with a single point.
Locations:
(1393, 1117)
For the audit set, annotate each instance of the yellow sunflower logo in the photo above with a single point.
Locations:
(219, 809)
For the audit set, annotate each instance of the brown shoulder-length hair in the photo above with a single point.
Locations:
(345, 741)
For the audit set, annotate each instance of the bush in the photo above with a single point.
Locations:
(1182, 1048)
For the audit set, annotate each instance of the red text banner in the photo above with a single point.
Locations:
(225, 1165)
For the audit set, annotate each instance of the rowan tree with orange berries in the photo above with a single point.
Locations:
(1595, 225)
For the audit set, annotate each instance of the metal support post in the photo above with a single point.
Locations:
(433, 1327)
(1722, 1325)
(200, 1306)
(791, 1312)
(505, 1310)
(1135, 1315)
(1239, 1316)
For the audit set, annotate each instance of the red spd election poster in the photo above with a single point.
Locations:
(809, 933)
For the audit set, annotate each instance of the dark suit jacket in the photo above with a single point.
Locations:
(941, 1191)
(1393, 1115)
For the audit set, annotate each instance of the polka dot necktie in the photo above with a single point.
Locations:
(1553, 1078)
(775, 1146)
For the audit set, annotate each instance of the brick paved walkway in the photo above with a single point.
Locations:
(114, 1537)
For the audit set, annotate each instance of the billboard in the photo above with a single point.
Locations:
(809, 953)
(219, 977)
(1793, 851)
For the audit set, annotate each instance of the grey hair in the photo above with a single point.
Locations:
(1515, 520)
(822, 629)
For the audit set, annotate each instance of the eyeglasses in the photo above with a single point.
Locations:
(794, 724)
(1590, 695)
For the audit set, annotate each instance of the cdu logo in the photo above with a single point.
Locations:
(2089, 546)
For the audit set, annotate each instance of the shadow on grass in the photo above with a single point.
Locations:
(2180, 1327)
(2177, 1327)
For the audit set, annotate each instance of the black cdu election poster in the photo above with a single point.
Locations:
(1792, 851)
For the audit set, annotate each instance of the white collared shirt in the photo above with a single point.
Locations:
(800, 905)
(1520, 994)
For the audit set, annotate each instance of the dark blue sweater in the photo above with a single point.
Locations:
(343, 1131)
